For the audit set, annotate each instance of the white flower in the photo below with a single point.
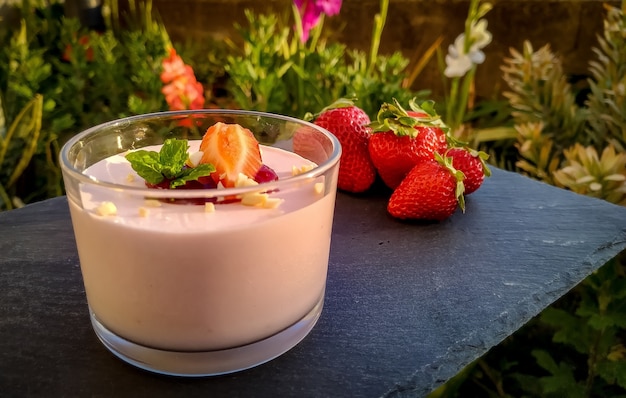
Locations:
(458, 62)
(479, 35)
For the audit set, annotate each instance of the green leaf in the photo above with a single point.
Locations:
(167, 164)
(545, 361)
(5, 200)
(495, 134)
(618, 288)
(147, 165)
(172, 157)
(192, 174)
(561, 382)
(606, 320)
(571, 330)
(613, 372)
(19, 144)
(392, 116)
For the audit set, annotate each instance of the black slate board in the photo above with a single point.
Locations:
(408, 305)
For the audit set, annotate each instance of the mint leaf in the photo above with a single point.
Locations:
(147, 165)
(167, 164)
(173, 155)
(192, 174)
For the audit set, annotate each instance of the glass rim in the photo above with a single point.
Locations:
(80, 177)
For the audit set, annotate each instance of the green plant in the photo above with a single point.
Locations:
(80, 77)
(461, 63)
(276, 71)
(587, 173)
(29, 146)
(607, 102)
(578, 344)
(595, 330)
(18, 143)
(86, 77)
(558, 140)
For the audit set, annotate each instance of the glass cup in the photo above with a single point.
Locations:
(192, 282)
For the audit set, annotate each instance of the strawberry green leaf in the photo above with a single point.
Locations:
(340, 103)
(482, 156)
(427, 107)
(458, 175)
(408, 121)
(393, 117)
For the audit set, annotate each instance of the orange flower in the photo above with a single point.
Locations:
(181, 89)
(184, 93)
(173, 66)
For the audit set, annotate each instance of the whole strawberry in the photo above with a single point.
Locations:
(401, 139)
(472, 164)
(432, 190)
(350, 125)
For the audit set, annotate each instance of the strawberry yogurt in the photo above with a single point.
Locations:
(185, 277)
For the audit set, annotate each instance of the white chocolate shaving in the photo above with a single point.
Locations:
(152, 203)
(194, 159)
(245, 181)
(106, 209)
(272, 203)
(254, 199)
(318, 188)
(295, 170)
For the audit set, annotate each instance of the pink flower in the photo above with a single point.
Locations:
(329, 7)
(184, 93)
(311, 10)
(181, 89)
(173, 66)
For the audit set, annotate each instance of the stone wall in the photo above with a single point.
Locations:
(569, 26)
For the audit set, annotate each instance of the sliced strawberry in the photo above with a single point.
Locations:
(232, 149)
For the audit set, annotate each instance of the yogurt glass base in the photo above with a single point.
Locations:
(178, 290)
(207, 363)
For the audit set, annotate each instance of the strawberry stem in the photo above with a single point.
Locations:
(393, 117)
(340, 103)
(458, 175)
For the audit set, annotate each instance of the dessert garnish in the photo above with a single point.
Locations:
(318, 188)
(229, 156)
(295, 170)
(167, 168)
(233, 150)
(106, 209)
